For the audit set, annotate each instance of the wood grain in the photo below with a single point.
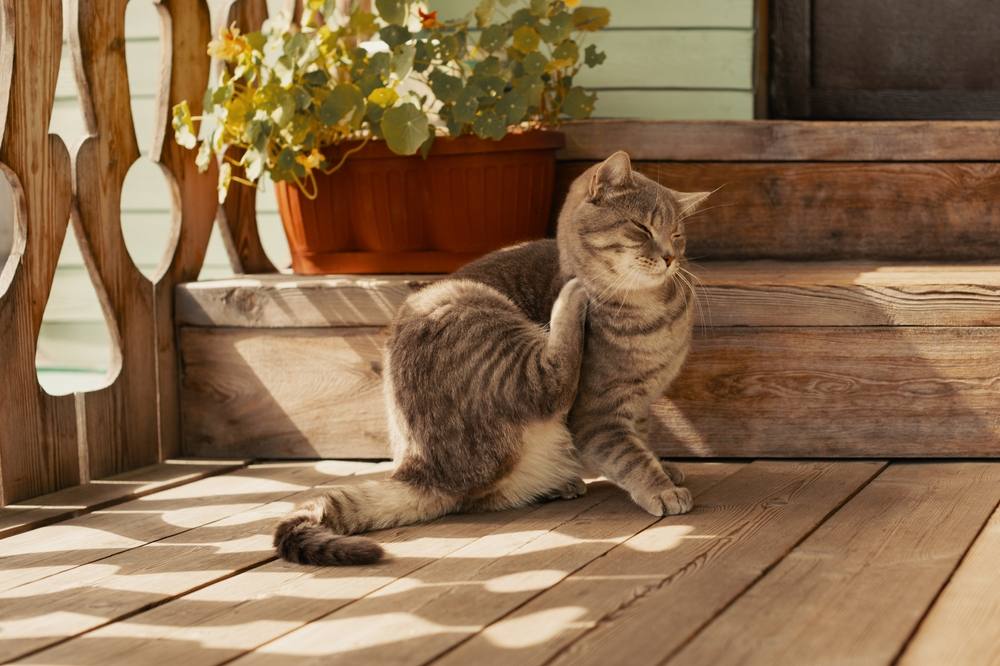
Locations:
(835, 391)
(963, 626)
(290, 393)
(750, 293)
(38, 444)
(49, 610)
(902, 535)
(822, 211)
(94, 495)
(785, 140)
(55, 549)
(820, 391)
(194, 196)
(447, 601)
(119, 423)
(652, 592)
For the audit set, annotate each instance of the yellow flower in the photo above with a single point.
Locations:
(230, 44)
(311, 161)
(571, 3)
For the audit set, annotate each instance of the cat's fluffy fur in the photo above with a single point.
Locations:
(483, 369)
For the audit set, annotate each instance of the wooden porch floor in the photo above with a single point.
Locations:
(781, 562)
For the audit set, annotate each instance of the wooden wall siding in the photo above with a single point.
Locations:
(669, 59)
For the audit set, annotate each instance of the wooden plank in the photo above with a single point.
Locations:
(652, 592)
(963, 626)
(630, 14)
(87, 497)
(38, 444)
(675, 104)
(822, 211)
(865, 577)
(697, 59)
(50, 610)
(239, 393)
(54, 549)
(184, 75)
(785, 140)
(835, 391)
(242, 613)
(750, 293)
(430, 610)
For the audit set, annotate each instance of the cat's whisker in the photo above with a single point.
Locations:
(701, 292)
(702, 211)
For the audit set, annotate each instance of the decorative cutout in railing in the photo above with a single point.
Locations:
(50, 442)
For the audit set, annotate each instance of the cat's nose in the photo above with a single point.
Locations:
(668, 259)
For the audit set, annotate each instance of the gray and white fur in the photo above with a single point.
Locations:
(483, 368)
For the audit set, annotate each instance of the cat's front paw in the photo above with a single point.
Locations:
(666, 502)
(573, 298)
(571, 490)
(673, 471)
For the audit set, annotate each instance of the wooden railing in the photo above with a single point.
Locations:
(50, 442)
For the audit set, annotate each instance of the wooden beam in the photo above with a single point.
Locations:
(924, 211)
(784, 140)
(751, 293)
(820, 391)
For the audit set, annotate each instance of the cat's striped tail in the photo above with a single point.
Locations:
(318, 532)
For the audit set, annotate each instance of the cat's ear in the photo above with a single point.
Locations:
(614, 173)
(690, 201)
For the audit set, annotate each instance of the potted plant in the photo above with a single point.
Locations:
(398, 142)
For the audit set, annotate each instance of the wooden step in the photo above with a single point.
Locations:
(860, 359)
(795, 190)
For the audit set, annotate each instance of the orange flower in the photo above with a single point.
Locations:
(429, 20)
(230, 44)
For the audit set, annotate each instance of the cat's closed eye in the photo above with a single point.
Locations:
(642, 228)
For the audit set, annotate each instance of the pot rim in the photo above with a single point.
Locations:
(536, 139)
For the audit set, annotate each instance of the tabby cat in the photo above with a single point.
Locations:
(483, 368)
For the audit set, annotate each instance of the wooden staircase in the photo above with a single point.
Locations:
(850, 305)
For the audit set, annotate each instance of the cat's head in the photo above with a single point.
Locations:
(622, 230)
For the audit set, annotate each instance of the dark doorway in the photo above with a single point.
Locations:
(885, 59)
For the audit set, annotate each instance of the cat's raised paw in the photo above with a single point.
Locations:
(667, 502)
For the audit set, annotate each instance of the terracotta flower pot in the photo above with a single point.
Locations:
(383, 213)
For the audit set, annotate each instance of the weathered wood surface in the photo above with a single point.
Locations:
(785, 140)
(855, 590)
(49, 610)
(654, 591)
(857, 391)
(755, 293)
(294, 393)
(38, 442)
(94, 495)
(963, 626)
(922, 211)
(400, 598)
(194, 196)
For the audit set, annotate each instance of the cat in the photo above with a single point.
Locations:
(482, 371)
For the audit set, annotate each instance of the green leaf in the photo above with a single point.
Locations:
(394, 35)
(526, 39)
(467, 104)
(425, 147)
(393, 11)
(344, 104)
(534, 64)
(423, 56)
(592, 57)
(591, 19)
(405, 128)
(444, 86)
(488, 67)
(539, 7)
(568, 51)
(531, 88)
(523, 17)
(579, 103)
(490, 125)
(513, 106)
(402, 60)
(558, 28)
(493, 38)
(484, 12)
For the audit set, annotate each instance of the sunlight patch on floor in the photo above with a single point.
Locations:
(535, 628)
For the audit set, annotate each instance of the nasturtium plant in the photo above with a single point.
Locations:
(289, 91)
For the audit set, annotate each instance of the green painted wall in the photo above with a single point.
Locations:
(667, 59)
